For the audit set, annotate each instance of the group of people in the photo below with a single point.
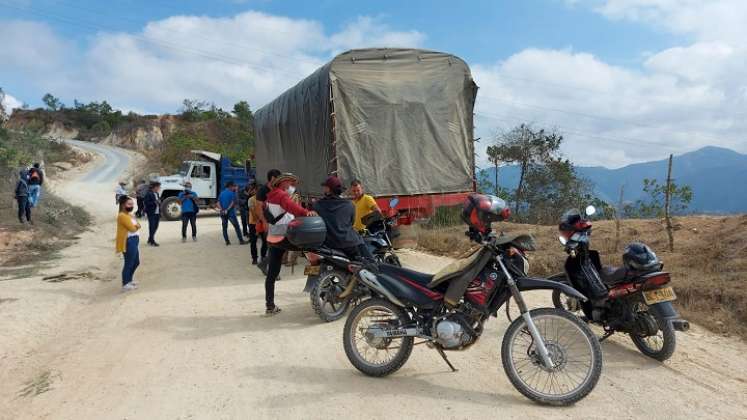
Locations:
(265, 212)
(28, 191)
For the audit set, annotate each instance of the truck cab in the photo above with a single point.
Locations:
(208, 174)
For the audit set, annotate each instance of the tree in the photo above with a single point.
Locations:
(525, 147)
(652, 205)
(243, 112)
(53, 103)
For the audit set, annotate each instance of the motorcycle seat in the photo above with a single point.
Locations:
(614, 275)
(334, 252)
(457, 268)
(396, 272)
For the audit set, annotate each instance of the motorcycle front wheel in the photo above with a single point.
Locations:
(324, 296)
(572, 347)
(364, 338)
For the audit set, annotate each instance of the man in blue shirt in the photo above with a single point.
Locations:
(188, 200)
(227, 207)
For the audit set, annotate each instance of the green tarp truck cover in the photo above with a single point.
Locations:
(400, 120)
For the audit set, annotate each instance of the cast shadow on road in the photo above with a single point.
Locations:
(294, 317)
(350, 382)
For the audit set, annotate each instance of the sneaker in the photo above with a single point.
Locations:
(184, 239)
(243, 242)
(194, 239)
(155, 243)
(228, 243)
(273, 311)
(128, 287)
(254, 261)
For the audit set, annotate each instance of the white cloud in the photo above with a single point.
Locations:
(9, 103)
(251, 56)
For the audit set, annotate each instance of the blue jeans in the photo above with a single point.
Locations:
(231, 217)
(34, 194)
(131, 259)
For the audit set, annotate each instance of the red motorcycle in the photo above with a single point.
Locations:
(635, 298)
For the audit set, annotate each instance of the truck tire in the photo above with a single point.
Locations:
(171, 208)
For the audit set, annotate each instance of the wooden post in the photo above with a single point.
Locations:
(617, 218)
(667, 200)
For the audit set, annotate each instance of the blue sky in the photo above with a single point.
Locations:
(625, 80)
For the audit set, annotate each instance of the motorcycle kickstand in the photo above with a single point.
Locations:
(607, 334)
(446, 359)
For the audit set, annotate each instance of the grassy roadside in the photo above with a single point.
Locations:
(56, 223)
(708, 266)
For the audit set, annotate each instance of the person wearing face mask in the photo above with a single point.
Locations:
(128, 241)
(339, 216)
(279, 210)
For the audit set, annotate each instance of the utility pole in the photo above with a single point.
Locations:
(617, 217)
(667, 200)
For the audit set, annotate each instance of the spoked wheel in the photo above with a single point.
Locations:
(324, 297)
(364, 338)
(574, 350)
(563, 301)
(659, 346)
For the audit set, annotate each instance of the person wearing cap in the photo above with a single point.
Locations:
(280, 210)
(140, 191)
(364, 204)
(120, 191)
(339, 215)
(152, 202)
(227, 208)
(188, 200)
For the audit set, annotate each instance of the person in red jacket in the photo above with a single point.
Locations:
(279, 210)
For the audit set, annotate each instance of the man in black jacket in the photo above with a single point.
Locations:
(152, 203)
(22, 197)
(339, 215)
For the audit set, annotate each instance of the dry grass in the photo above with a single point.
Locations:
(708, 266)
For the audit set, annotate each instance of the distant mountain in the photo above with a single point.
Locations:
(718, 177)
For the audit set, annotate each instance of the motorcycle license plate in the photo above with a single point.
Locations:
(311, 270)
(659, 295)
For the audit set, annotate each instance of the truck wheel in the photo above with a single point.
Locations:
(171, 208)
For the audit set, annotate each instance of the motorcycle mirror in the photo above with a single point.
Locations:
(590, 210)
(562, 240)
(393, 202)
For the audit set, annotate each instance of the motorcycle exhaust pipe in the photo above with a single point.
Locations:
(348, 290)
(680, 325)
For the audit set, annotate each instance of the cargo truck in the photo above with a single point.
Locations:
(400, 120)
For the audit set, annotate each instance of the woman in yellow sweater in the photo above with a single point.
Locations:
(128, 241)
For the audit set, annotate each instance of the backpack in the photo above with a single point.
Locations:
(271, 219)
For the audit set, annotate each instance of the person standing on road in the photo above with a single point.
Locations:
(364, 204)
(120, 191)
(35, 181)
(282, 209)
(188, 200)
(257, 228)
(152, 202)
(128, 242)
(140, 191)
(259, 201)
(227, 208)
(22, 198)
(243, 203)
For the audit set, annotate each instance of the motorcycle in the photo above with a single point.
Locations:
(379, 233)
(328, 280)
(548, 354)
(620, 299)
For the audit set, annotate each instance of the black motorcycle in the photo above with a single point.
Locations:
(549, 355)
(378, 235)
(632, 299)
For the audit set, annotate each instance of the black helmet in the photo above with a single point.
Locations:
(639, 257)
(569, 220)
(480, 210)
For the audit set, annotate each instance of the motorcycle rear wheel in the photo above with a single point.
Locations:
(362, 349)
(660, 346)
(324, 299)
(573, 348)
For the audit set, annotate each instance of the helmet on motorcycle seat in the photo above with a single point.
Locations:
(639, 257)
(480, 210)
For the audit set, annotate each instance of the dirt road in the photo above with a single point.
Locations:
(191, 343)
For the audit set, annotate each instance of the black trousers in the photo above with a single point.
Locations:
(191, 218)
(140, 207)
(244, 215)
(275, 263)
(153, 221)
(24, 208)
(253, 237)
(230, 217)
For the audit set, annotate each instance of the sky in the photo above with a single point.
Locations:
(623, 80)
